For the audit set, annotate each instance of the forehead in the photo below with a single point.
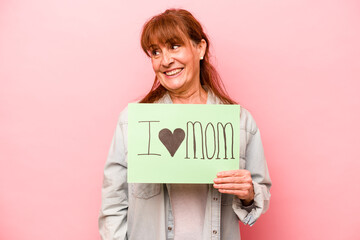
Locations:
(164, 35)
(165, 42)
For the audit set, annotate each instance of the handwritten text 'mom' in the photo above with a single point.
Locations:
(211, 141)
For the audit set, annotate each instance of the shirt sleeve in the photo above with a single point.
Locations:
(114, 205)
(255, 162)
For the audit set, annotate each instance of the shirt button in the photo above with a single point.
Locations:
(214, 232)
(169, 228)
(215, 199)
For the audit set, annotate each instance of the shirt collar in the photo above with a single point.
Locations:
(211, 98)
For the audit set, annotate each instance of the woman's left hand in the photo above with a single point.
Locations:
(236, 182)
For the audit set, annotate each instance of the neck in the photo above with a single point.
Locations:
(193, 96)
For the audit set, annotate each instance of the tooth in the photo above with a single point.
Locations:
(173, 72)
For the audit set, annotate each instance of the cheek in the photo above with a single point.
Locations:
(194, 65)
(191, 61)
(155, 65)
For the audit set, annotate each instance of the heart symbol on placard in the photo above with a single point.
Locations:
(172, 141)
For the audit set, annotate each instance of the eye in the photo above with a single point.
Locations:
(155, 52)
(175, 46)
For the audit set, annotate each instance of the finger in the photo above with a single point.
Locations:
(233, 173)
(242, 179)
(239, 193)
(242, 187)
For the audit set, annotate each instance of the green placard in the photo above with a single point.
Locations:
(181, 143)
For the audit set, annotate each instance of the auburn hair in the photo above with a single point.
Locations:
(171, 26)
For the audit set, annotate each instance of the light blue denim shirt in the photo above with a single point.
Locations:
(138, 211)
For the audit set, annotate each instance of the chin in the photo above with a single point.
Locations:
(173, 89)
(172, 86)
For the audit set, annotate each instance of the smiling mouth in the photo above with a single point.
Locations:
(173, 72)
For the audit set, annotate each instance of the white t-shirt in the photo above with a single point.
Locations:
(188, 203)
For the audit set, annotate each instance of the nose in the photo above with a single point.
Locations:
(167, 58)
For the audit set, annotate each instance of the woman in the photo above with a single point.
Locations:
(179, 52)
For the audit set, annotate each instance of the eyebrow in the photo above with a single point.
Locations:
(152, 46)
(174, 40)
(169, 41)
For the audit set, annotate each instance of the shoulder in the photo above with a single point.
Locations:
(247, 122)
(123, 116)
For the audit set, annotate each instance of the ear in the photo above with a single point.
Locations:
(202, 48)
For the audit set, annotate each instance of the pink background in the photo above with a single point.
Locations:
(67, 69)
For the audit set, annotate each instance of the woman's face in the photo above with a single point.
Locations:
(177, 66)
